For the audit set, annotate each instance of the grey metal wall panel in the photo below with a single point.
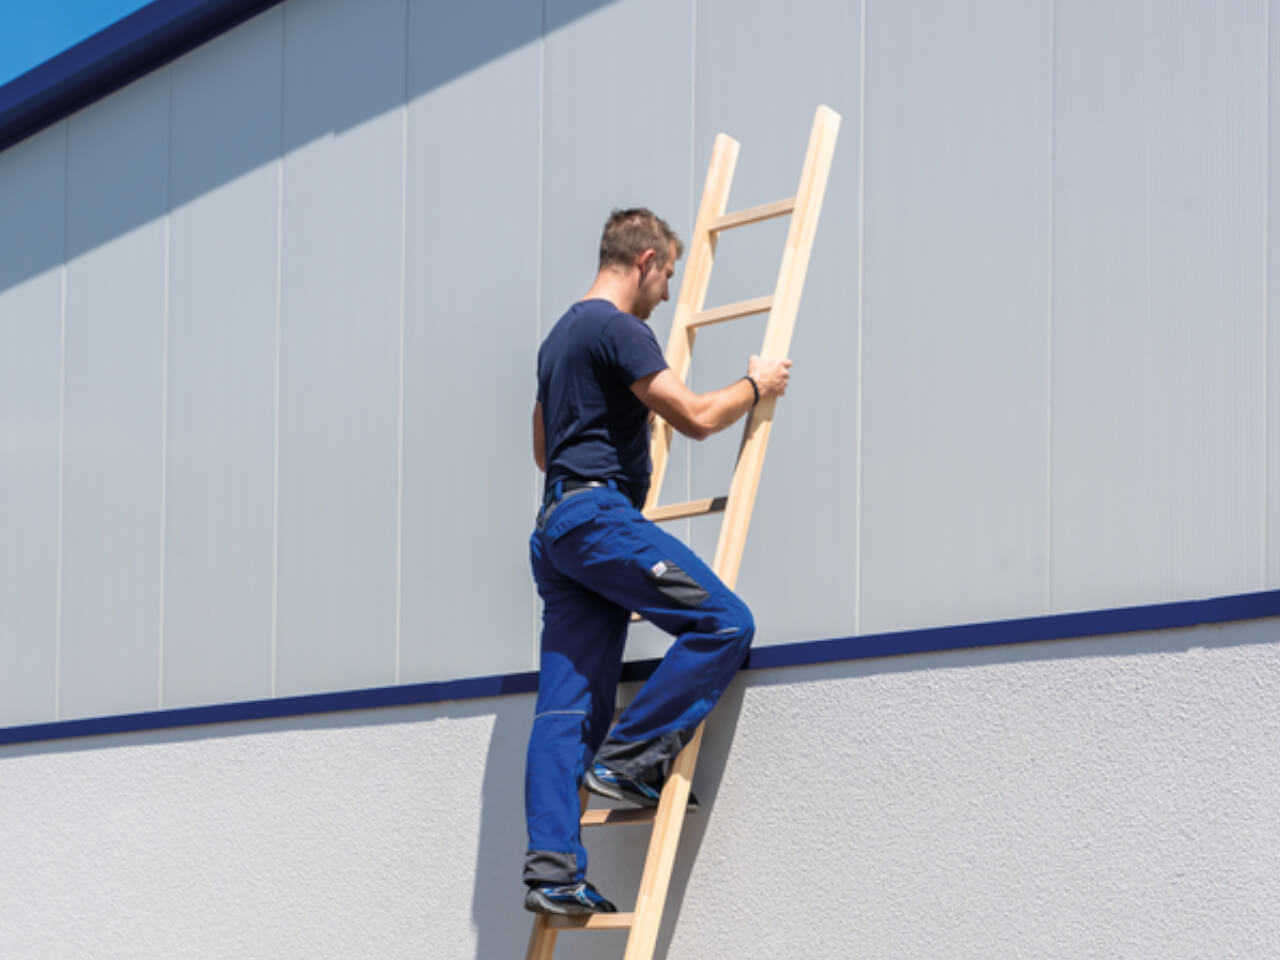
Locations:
(1095, 186)
(956, 293)
(32, 234)
(468, 604)
(1160, 188)
(604, 146)
(117, 171)
(220, 453)
(613, 140)
(340, 339)
(762, 69)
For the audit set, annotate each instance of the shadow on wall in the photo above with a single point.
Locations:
(294, 74)
(616, 854)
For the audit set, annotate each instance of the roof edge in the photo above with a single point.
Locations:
(130, 48)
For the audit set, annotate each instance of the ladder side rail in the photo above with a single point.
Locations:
(542, 941)
(661, 857)
(693, 293)
(777, 340)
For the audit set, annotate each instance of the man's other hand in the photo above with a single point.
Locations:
(771, 376)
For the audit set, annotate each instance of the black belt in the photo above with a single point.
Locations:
(561, 490)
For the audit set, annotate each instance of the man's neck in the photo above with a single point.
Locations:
(617, 288)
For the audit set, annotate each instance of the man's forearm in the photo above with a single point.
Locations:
(724, 407)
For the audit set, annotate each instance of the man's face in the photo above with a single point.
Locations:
(654, 283)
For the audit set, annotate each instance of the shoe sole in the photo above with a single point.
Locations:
(608, 790)
(601, 789)
(535, 902)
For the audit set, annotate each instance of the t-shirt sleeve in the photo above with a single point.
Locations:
(631, 349)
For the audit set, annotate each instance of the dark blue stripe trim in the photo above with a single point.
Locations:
(143, 41)
(368, 699)
(1164, 616)
(1093, 623)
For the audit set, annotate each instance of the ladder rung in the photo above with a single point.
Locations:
(766, 211)
(610, 816)
(592, 921)
(690, 508)
(733, 311)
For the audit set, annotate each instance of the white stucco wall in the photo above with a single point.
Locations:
(1110, 797)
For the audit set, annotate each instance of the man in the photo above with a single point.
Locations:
(595, 558)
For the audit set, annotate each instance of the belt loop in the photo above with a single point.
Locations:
(557, 490)
(612, 484)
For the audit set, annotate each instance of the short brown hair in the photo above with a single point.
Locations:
(629, 233)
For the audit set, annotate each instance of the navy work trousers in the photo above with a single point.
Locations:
(595, 559)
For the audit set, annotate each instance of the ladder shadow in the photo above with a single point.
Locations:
(717, 741)
(617, 855)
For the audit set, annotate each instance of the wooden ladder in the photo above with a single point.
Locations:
(737, 505)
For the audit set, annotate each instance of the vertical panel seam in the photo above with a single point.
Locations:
(275, 446)
(694, 204)
(693, 108)
(861, 302)
(62, 417)
(400, 424)
(538, 287)
(1052, 293)
(164, 392)
(1266, 296)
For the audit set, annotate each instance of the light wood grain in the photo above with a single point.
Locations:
(612, 817)
(690, 508)
(741, 218)
(592, 921)
(732, 311)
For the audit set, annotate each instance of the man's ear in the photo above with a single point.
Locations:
(646, 261)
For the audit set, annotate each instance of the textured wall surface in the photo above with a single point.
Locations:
(1111, 798)
(268, 318)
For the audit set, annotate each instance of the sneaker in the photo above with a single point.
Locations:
(607, 782)
(569, 899)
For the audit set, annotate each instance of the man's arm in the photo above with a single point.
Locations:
(539, 439)
(699, 415)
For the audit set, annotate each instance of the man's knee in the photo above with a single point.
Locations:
(738, 626)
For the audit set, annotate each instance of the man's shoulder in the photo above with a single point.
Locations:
(610, 321)
(585, 317)
(598, 313)
(596, 321)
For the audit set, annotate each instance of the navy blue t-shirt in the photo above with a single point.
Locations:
(596, 429)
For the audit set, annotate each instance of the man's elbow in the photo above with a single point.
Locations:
(696, 429)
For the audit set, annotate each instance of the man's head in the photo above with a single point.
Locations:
(640, 244)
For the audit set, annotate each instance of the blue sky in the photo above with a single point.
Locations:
(32, 31)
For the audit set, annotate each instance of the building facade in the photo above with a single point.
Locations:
(268, 317)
